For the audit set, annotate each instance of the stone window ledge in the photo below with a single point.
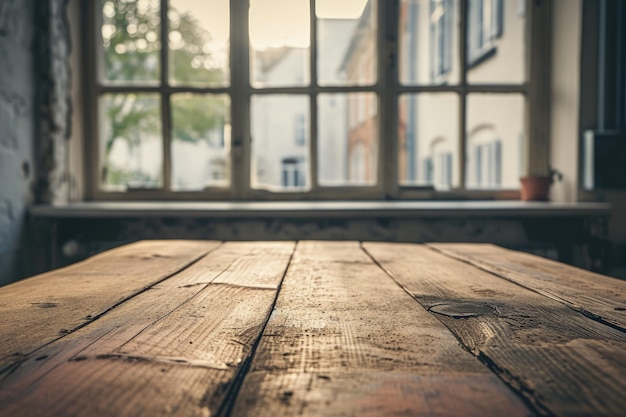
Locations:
(322, 209)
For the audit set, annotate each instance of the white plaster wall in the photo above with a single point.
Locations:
(565, 96)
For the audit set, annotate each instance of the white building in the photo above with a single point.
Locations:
(280, 123)
(429, 122)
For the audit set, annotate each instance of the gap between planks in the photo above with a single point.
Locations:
(86, 295)
(345, 340)
(129, 343)
(559, 361)
(595, 296)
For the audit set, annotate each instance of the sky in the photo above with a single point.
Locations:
(273, 23)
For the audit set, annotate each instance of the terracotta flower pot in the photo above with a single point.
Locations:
(535, 188)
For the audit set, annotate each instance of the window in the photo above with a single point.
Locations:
(292, 172)
(441, 14)
(300, 129)
(487, 164)
(280, 99)
(485, 24)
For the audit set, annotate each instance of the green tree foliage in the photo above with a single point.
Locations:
(132, 50)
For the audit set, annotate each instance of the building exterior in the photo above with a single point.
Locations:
(280, 123)
(428, 127)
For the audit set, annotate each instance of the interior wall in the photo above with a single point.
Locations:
(17, 105)
(565, 97)
(35, 123)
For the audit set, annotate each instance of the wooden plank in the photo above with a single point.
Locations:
(344, 339)
(175, 350)
(594, 295)
(561, 362)
(38, 310)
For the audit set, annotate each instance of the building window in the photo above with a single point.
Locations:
(300, 130)
(234, 99)
(292, 172)
(485, 24)
(487, 165)
(443, 177)
(427, 163)
(441, 32)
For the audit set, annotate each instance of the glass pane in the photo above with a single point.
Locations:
(428, 140)
(496, 41)
(200, 141)
(495, 140)
(131, 42)
(199, 42)
(346, 35)
(347, 139)
(280, 142)
(429, 42)
(279, 43)
(131, 144)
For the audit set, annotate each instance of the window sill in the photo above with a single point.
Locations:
(321, 209)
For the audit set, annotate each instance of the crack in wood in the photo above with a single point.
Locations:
(527, 394)
(171, 360)
(232, 391)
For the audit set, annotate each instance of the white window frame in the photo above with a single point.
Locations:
(387, 88)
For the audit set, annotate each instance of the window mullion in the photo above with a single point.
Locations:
(387, 57)
(538, 62)
(165, 99)
(461, 163)
(313, 165)
(240, 99)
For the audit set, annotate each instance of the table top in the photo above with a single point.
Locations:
(203, 328)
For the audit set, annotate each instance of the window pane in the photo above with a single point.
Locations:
(280, 138)
(131, 144)
(347, 139)
(496, 41)
(428, 42)
(495, 140)
(428, 140)
(199, 42)
(346, 33)
(130, 40)
(200, 141)
(279, 43)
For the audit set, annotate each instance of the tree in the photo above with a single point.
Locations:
(131, 42)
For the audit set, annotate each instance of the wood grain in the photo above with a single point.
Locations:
(38, 310)
(173, 350)
(563, 363)
(594, 295)
(345, 340)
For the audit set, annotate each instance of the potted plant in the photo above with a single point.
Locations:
(536, 186)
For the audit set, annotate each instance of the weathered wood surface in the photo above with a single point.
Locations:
(345, 340)
(593, 295)
(176, 349)
(176, 328)
(41, 309)
(561, 362)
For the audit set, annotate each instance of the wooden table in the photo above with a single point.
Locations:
(200, 328)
